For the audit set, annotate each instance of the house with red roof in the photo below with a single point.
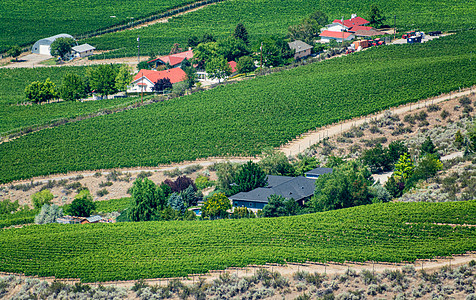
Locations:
(327, 36)
(145, 79)
(353, 21)
(174, 60)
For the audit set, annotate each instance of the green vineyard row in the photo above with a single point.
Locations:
(389, 232)
(244, 118)
(273, 17)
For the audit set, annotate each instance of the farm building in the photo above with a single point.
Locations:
(144, 80)
(353, 21)
(298, 188)
(82, 50)
(43, 46)
(174, 60)
(301, 49)
(327, 36)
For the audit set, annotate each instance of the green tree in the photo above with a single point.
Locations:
(376, 158)
(241, 33)
(73, 87)
(14, 52)
(191, 73)
(8, 207)
(123, 78)
(41, 198)
(193, 41)
(275, 162)
(245, 64)
(346, 186)
(205, 52)
(190, 197)
(306, 31)
(48, 214)
(395, 187)
(375, 16)
(379, 194)
(428, 147)
(61, 47)
(232, 49)
(218, 68)
(216, 206)
(320, 17)
(41, 91)
(147, 200)
(404, 168)
(202, 182)
(102, 79)
(82, 205)
(249, 177)
(304, 163)
(226, 173)
(278, 206)
(471, 137)
(459, 140)
(176, 202)
(395, 150)
(143, 65)
(427, 167)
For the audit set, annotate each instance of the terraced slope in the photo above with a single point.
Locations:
(390, 232)
(244, 118)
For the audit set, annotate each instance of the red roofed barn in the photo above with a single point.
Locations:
(173, 60)
(145, 79)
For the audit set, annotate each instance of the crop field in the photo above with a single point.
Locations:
(12, 87)
(390, 232)
(27, 21)
(269, 17)
(246, 117)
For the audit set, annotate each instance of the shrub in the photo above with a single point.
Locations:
(202, 182)
(102, 192)
(144, 174)
(104, 184)
(97, 174)
(374, 129)
(444, 114)
(368, 277)
(173, 173)
(433, 107)
(41, 198)
(113, 175)
(192, 169)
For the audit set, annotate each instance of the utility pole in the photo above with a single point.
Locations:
(142, 88)
(261, 50)
(138, 52)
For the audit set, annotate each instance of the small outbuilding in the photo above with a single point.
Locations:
(43, 46)
(82, 50)
(300, 48)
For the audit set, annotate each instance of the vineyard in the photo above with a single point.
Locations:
(99, 252)
(270, 17)
(244, 118)
(12, 87)
(24, 22)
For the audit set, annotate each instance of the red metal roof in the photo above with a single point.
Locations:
(357, 21)
(174, 74)
(174, 59)
(363, 28)
(335, 34)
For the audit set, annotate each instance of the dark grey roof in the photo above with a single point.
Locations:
(274, 180)
(319, 171)
(299, 46)
(296, 188)
(93, 219)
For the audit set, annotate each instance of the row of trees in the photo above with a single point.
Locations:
(103, 79)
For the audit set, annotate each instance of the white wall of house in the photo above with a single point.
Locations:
(84, 53)
(334, 27)
(137, 87)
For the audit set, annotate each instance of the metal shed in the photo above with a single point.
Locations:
(43, 46)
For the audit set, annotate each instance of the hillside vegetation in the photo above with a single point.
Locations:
(390, 232)
(12, 93)
(28, 21)
(243, 118)
(270, 17)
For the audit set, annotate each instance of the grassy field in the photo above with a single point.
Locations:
(269, 17)
(12, 93)
(27, 21)
(390, 232)
(246, 117)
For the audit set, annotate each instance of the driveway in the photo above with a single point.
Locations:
(28, 61)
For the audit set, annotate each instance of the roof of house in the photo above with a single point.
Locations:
(355, 28)
(356, 21)
(296, 188)
(334, 25)
(319, 171)
(174, 59)
(93, 219)
(83, 48)
(299, 46)
(175, 75)
(335, 34)
(232, 65)
(367, 33)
